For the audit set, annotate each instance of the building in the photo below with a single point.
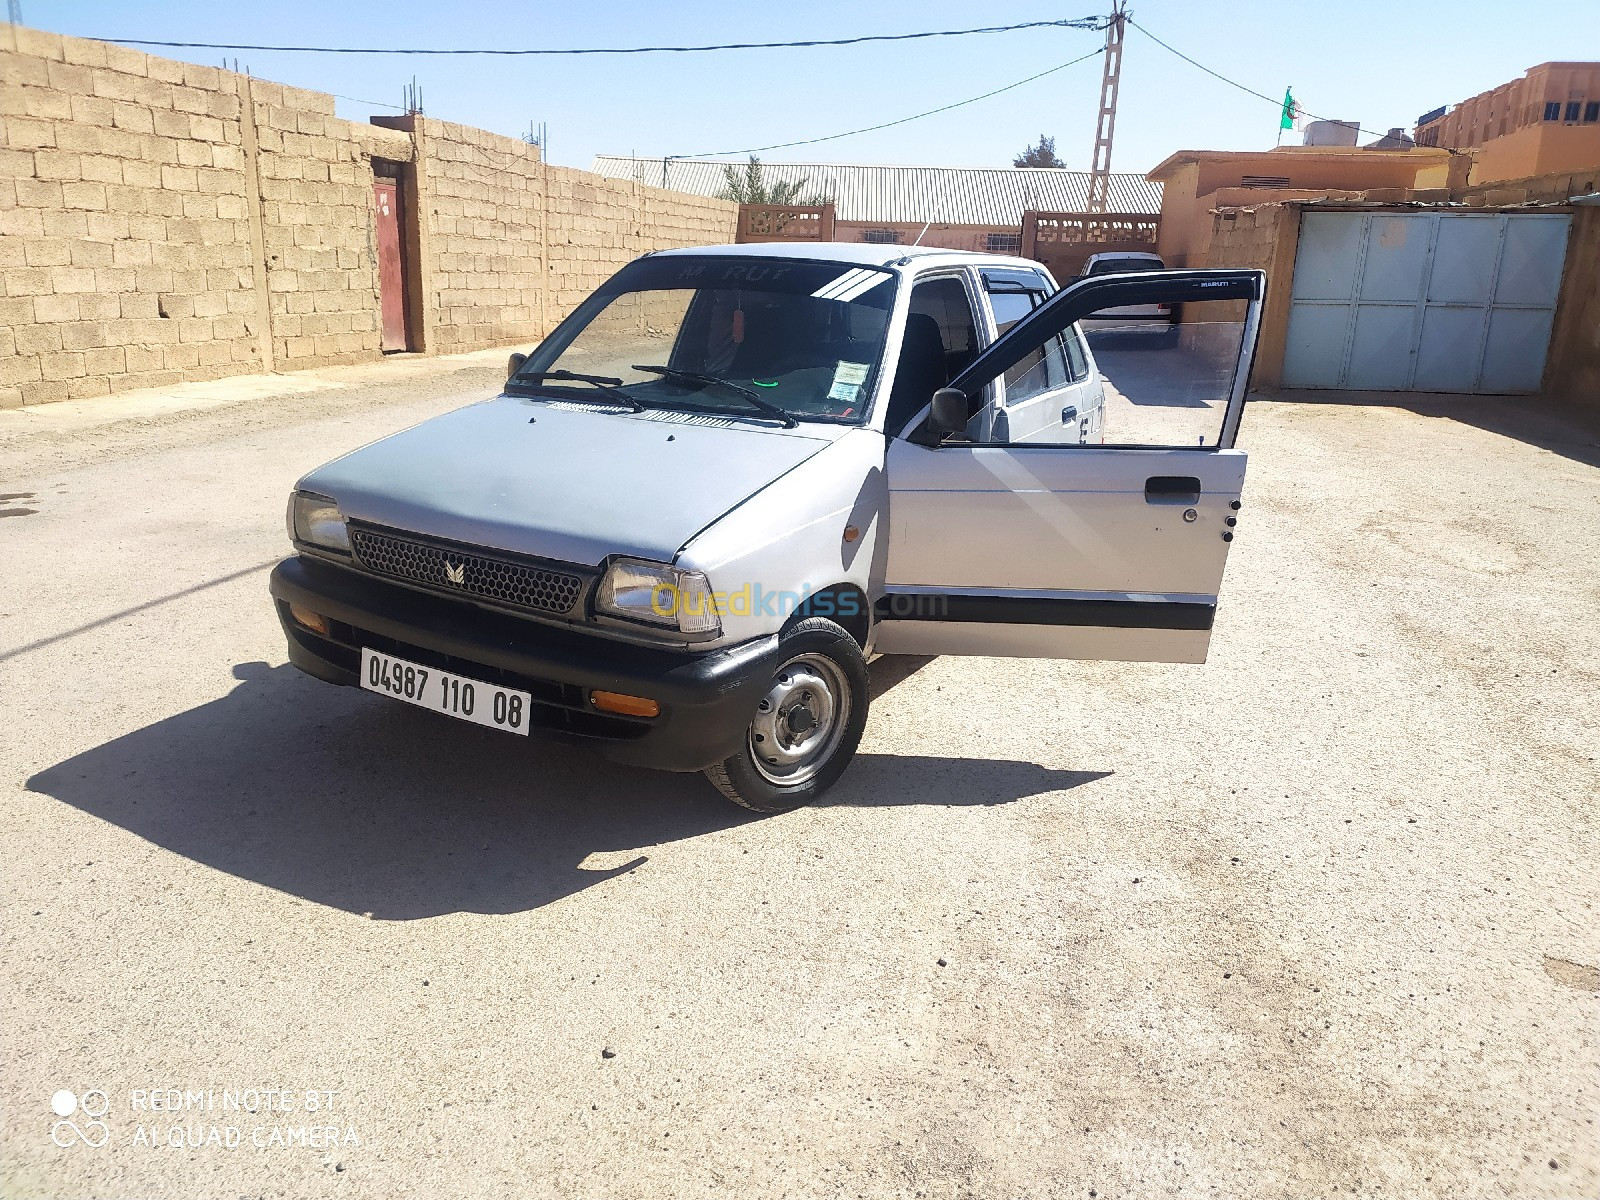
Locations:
(1196, 182)
(1544, 123)
(960, 208)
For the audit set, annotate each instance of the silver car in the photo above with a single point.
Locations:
(735, 473)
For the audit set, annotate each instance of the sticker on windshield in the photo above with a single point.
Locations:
(847, 380)
(850, 285)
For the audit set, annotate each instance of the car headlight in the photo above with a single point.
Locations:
(317, 521)
(657, 594)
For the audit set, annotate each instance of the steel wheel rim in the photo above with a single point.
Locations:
(800, 721)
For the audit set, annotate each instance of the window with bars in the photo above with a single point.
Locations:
(1003, 243)
(881, 237)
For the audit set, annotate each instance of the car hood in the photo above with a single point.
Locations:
(564, 481)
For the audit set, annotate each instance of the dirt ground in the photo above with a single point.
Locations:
(1315, 918)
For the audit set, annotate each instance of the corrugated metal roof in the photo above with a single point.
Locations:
(948, 195)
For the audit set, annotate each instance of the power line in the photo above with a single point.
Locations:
(368, 103)
(1203, 67)
(833, 137)
(1249, 90)
(1076, 23)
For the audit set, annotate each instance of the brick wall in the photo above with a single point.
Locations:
(162, 221)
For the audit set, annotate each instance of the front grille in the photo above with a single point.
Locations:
(445, 568)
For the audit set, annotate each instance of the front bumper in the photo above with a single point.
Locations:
(706, 699)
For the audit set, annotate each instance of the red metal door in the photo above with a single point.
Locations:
(391, 268)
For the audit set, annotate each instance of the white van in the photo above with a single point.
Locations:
(736, 472)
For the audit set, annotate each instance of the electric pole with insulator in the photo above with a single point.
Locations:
(1100, 172)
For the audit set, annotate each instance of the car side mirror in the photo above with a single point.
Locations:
(948, 414)
(515, 364)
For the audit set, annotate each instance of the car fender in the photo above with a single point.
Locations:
(819, 526)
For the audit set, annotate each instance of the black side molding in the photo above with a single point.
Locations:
(1045, 610)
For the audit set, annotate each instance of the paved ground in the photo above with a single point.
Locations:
(1316, 918)
(1162, 389)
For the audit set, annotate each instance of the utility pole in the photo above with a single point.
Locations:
(1100, 176)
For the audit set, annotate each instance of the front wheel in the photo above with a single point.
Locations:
(807, 726)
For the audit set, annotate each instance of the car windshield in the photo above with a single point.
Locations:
(767, 338)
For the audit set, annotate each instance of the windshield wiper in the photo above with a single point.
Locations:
(604, 382)
(755, 401)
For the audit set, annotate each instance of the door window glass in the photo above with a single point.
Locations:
(1150, 374)
(1166, 371)
(1077, 359)
(1042, 369)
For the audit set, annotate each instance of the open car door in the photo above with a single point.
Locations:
(1101, 551)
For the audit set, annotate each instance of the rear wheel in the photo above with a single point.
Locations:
(806, 727)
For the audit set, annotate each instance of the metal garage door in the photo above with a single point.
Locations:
(1424, 302)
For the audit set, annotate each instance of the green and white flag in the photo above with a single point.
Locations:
(1291, 110)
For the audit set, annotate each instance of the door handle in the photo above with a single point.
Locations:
(1172, 489)
(1069, 414)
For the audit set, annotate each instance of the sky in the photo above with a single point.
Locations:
(1372, 61)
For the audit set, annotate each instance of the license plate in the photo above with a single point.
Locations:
(453, 695)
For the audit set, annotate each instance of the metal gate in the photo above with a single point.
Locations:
(1424, 302)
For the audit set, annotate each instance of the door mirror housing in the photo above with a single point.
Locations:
(948, 413)
(514, 364)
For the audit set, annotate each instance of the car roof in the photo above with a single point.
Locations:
(868, 254)
(1125, 254)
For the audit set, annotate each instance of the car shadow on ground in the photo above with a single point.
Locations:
(372, 807)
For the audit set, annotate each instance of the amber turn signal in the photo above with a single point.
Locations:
(628, 706)
(315, 622)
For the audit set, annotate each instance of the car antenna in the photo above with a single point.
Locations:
(918, 242)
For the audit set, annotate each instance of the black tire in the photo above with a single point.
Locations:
(820, 670)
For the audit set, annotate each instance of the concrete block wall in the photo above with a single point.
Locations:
(595, 225)
(314, 180)
(483, 199)
(124, 238)
(163, 221)
(1572, 370)
(1263, 239)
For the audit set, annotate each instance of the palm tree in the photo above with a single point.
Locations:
(749, 187)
